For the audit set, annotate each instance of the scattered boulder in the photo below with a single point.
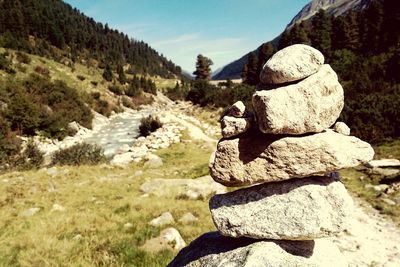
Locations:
(301, 209)
(188, 218)
(341, 127)
(237, 110)
(311, 105)
(254, 157)
(122, 159)
(153, 161)
(381, 163)
(292, 63)
(169, 238)
(213, 249)
(163, 219)
(194, 189)
(57, 207)
(232, 126)
(30, 212)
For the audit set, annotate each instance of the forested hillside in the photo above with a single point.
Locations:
(40, 26)
(364, 49)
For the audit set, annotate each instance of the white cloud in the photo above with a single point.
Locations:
(183, 49)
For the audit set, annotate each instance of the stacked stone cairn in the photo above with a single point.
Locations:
(286, 157)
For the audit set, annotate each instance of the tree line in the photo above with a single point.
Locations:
(36, 26)
(363, 47)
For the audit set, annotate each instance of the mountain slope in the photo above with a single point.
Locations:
(54, 29)
(332, 7)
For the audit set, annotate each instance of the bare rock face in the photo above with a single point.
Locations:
(300, 209)
(232, 126)
(213, 249)
(237, 109)
(292, 63)
(258, 158)
(311, 105)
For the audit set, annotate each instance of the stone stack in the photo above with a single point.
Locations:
(287, 163)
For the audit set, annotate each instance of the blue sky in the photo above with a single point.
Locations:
(223, 30)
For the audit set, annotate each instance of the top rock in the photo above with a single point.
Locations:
(291, 64)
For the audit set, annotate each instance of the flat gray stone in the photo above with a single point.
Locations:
(382, 163)
(292, 63)
(258, 158)
(299, 209)
(310, 106)
(214, 250)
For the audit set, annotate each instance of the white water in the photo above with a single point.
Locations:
(120, 130)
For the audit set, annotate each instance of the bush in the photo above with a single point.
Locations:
(118, 90)
(5, 64)
(23, 58)
(42, 71)
(94, 83)
(80, 154)
(81, 78)
(148, 125)
(30, 158)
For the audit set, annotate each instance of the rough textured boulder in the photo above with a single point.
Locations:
(301, 209)
(311, 105)
(341, 127)
(237, 109)
(256, 158)
(169, 238)
(232, 126)
(163, 219)
(292, 63)
(213, 249)
(200, 188)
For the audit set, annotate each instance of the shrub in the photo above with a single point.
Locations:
(81, 78)
(127, 102)
(94, 83)
(5, 64)
(118, 90)
(23, 58)
(79, 154)
(30, 158)
(133, 90)
(42, 71)
(148, 125)
(96, 95)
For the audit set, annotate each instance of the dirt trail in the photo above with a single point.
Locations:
(371, 240)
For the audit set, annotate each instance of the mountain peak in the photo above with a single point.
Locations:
(333, 7)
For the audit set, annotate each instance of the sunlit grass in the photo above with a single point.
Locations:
(98, 202)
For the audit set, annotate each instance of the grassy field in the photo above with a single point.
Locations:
(361, 181)
(98, 202)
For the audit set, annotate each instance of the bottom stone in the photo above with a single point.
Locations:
(213, 249)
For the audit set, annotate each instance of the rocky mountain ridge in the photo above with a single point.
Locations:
(333, 7)
(234, 69)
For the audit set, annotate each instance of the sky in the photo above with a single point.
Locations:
(223, 30)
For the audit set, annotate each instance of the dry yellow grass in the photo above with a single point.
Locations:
(98, 201)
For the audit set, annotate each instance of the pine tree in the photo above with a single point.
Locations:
(250, 75)
(107, 74)
(321, 33)
(266, 51)
(203, 68)
(121, 75)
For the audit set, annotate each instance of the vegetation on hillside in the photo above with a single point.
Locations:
(363, 48)
(54, 29)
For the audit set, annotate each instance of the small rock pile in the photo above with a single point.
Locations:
(281, 220)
